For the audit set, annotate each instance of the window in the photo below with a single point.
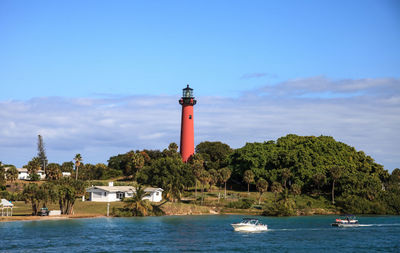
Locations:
(120, 195)
(190, 116)
(157, 193)
(97, 195)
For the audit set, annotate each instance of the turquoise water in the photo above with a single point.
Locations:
(199, 234)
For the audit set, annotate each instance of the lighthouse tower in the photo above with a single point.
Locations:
(187, 131)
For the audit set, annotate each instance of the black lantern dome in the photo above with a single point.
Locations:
(187, 96)
(187, 92)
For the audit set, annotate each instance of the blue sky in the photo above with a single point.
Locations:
(116, 65)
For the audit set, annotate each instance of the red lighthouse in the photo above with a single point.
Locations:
(187, 131)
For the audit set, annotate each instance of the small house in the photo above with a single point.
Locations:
(23, 174)
(113, 193)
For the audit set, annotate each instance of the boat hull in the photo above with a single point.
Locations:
(345, 225)
(249, 228)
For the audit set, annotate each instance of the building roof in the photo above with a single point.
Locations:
(121, 189)
(21, 170)
(6, 203)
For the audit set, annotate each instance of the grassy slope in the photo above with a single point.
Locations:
(306, 205)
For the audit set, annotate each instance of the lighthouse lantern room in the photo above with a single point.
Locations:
(187, 127)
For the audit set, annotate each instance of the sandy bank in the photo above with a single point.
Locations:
(39, 218)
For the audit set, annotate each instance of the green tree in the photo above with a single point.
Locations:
(33, 168)
(204, 178)
(67, 167)
(42, 154)
(319, 180)
(12, 174)
(67, 191)
(173, 147)
(395, 176)
(2, 176)
(295, 189)
(137, 205)
(30, 194)
(285, 175)
(53, 171)
(225, 175)
(214, 178)
(36, 195)
(214, 154)
(276, 188)
(169, 173)
(248, 177)
(78, 159)
(138, 161)
(336, 174)
(197, 168)
(173, 188)
(262, 186)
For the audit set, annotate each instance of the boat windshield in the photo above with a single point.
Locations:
(250, 221)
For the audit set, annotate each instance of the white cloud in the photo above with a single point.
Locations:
(321, 85)
(102, 127)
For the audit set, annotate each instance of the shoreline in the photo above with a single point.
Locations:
(43, 218)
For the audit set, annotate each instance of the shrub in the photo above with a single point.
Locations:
(111, 173)
(12, 196)
(241, 204)
(284, 207)
(358, 205)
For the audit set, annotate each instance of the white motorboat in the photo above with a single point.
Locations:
(348, 221)
(249, 225)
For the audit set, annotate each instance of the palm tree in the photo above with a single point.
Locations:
(262, 186)
(336, 173)
(138, 206)
(174, 188)
(78, 159)
(12, 174)
(319, 180)
(31, 194)
(2, 175)
(276, 188)
(295, 189)
(225, 175)
(204, 178)
(248, 177)
(214, 178)
(33, 167)
(53, 171)
(285, 174)
(197, 167)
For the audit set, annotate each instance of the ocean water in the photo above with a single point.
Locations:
(200, 234)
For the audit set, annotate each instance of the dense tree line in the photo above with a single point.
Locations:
(321, 166)
(316, 166)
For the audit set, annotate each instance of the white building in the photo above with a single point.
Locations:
(66, 174)
(23, 174)
(113, 193)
